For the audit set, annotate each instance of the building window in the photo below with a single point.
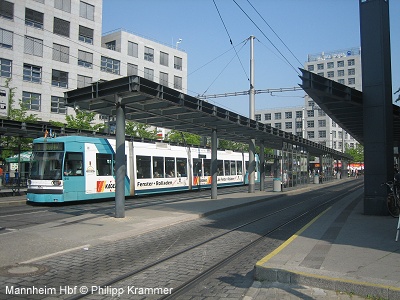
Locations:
(267, 116)
(334, 134)
(321, 123)
(177, 63)
(32, 73)
(299, 114)
(321, 74)
(322, 134)
(320, 66)
(288, 115)
(340, 64)
(33, 46)
(61, 53)
(163, 58)
(61, 27)
(111, 45)
(340, 73)
(311, 103)
(149, 54)
(33, 18)
(59, 78)
(299, 124)
(278, 125)
(31, 101)
(149, 74)
(85, 34)
(7, 9)
(330, 65)
(310, 68)
(132, 49)
(84, 81)
(351, 62)
(64, 5)
(163, 78)
(110, 65)
(132, 70)
(278, 116)
(330, 74)
(333, 124)
(258, 117)
(352, 72)
(87, 11)
(85, 59)
(321, 113)
(288, 125)
(310, 113)
(6, 66)
(352, 81)
(341, 81)
(58, 105)
(177, 82)
(6, 39)
(310, 134)
(310, 124)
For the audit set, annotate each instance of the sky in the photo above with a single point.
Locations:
(216, 66)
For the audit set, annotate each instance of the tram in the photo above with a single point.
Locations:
(78, 168)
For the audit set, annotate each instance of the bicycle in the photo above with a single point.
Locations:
(393, 198)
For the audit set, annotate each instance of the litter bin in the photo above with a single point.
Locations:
(338, 175)
(316, 179)
(277, 187)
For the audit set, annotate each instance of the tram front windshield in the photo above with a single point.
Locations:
(46, 165)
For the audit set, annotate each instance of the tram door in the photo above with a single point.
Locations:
(73, 176)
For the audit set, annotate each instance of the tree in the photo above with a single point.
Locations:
(83, 120)
(183, 137)
(357, 153)
(13, 144)
(140, 130)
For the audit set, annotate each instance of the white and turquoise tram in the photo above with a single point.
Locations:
(72, 168)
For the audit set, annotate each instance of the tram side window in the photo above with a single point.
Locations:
(220, 167)
(197, 167)
(239, 167)
(158, 167)
(233, 167)
(227, 169)
(207, 167)
(103, 164)
(143, 166)
(181, 167)
(170, 167)
(73, 164)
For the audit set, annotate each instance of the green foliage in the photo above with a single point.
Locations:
(12, 144)
(140, 130)
(57, 124)
(183, 137)
(83, 120)
(357, 153)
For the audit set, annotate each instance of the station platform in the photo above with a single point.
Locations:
(340, 250)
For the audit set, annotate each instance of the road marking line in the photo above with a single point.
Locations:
(32, 212)
(54, 254)
(287, 242)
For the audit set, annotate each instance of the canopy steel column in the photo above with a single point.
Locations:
(377, 103)
(120, 167)
(252, 142)
(214, 166)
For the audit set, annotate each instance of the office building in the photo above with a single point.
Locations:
(48, 47)
(309, 120)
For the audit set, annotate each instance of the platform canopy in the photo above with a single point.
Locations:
(343, 104)
(150, 103)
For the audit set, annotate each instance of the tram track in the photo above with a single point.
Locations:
(180, 288)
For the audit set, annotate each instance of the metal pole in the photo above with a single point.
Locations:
(120, 167)
(214, 163)
(262, 167)
(252, 117)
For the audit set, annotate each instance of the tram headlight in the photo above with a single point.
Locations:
(56, 182)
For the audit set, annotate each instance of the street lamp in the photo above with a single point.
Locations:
(177, 43)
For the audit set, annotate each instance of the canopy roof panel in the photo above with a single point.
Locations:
(151, 103)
